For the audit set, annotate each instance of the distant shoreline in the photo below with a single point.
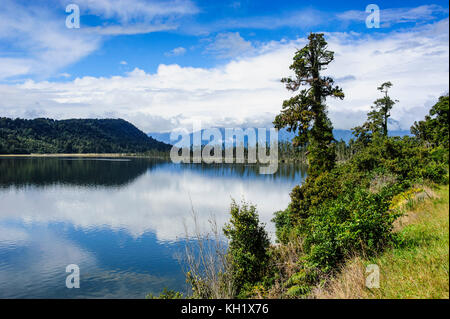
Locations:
(115, 155)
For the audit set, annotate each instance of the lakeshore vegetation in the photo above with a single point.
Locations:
(349, 212)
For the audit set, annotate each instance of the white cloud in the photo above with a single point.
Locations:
(389, 17)
(14, 66)
(40, 41)
(176, 52)
(112, 30)
(229, 44)
(42, 45)
(127, 11)
(247, 91)
(123, 62)
(135, 16)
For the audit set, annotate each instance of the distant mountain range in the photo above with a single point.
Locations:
(21, 136)
(283, 135)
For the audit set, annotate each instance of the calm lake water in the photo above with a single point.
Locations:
(121, 221)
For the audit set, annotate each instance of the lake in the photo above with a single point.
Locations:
(122, 221)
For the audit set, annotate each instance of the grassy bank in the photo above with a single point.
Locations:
(416, 267)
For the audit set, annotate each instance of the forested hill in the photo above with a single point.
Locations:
(21, 136)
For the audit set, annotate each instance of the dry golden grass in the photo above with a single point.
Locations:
(287, 257)
(411, 216)
(348, 284)
(379, 181)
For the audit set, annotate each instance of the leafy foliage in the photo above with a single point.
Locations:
(248, 247)
(356, 221)
(305, 113)
(434, 129)
(166, 294)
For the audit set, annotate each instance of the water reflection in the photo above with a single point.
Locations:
(118, 220)
(74, 171)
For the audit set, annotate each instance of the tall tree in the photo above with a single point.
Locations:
(383, 106)
(377, 118)
(306, 112)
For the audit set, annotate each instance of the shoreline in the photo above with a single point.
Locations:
(120, 155)
(114, 155)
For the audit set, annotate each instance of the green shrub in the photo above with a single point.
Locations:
(358, 221)
(436, 172)
(248, 248)
(283, 225)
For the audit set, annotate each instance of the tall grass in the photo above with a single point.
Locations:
(206, 264)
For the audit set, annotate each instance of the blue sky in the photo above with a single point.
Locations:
(195, 32)
(164, 64)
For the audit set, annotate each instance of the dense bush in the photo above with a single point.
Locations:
(358, 221)
(321, 210)
(313, 193)
(248, 248)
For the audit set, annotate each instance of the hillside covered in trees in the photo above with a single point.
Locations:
(21, 136)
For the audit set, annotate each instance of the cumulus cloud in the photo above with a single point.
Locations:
(247, 90)
(400, 57)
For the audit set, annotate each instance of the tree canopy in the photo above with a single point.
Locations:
(306, 113)
(434, 128)
(377, 118)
